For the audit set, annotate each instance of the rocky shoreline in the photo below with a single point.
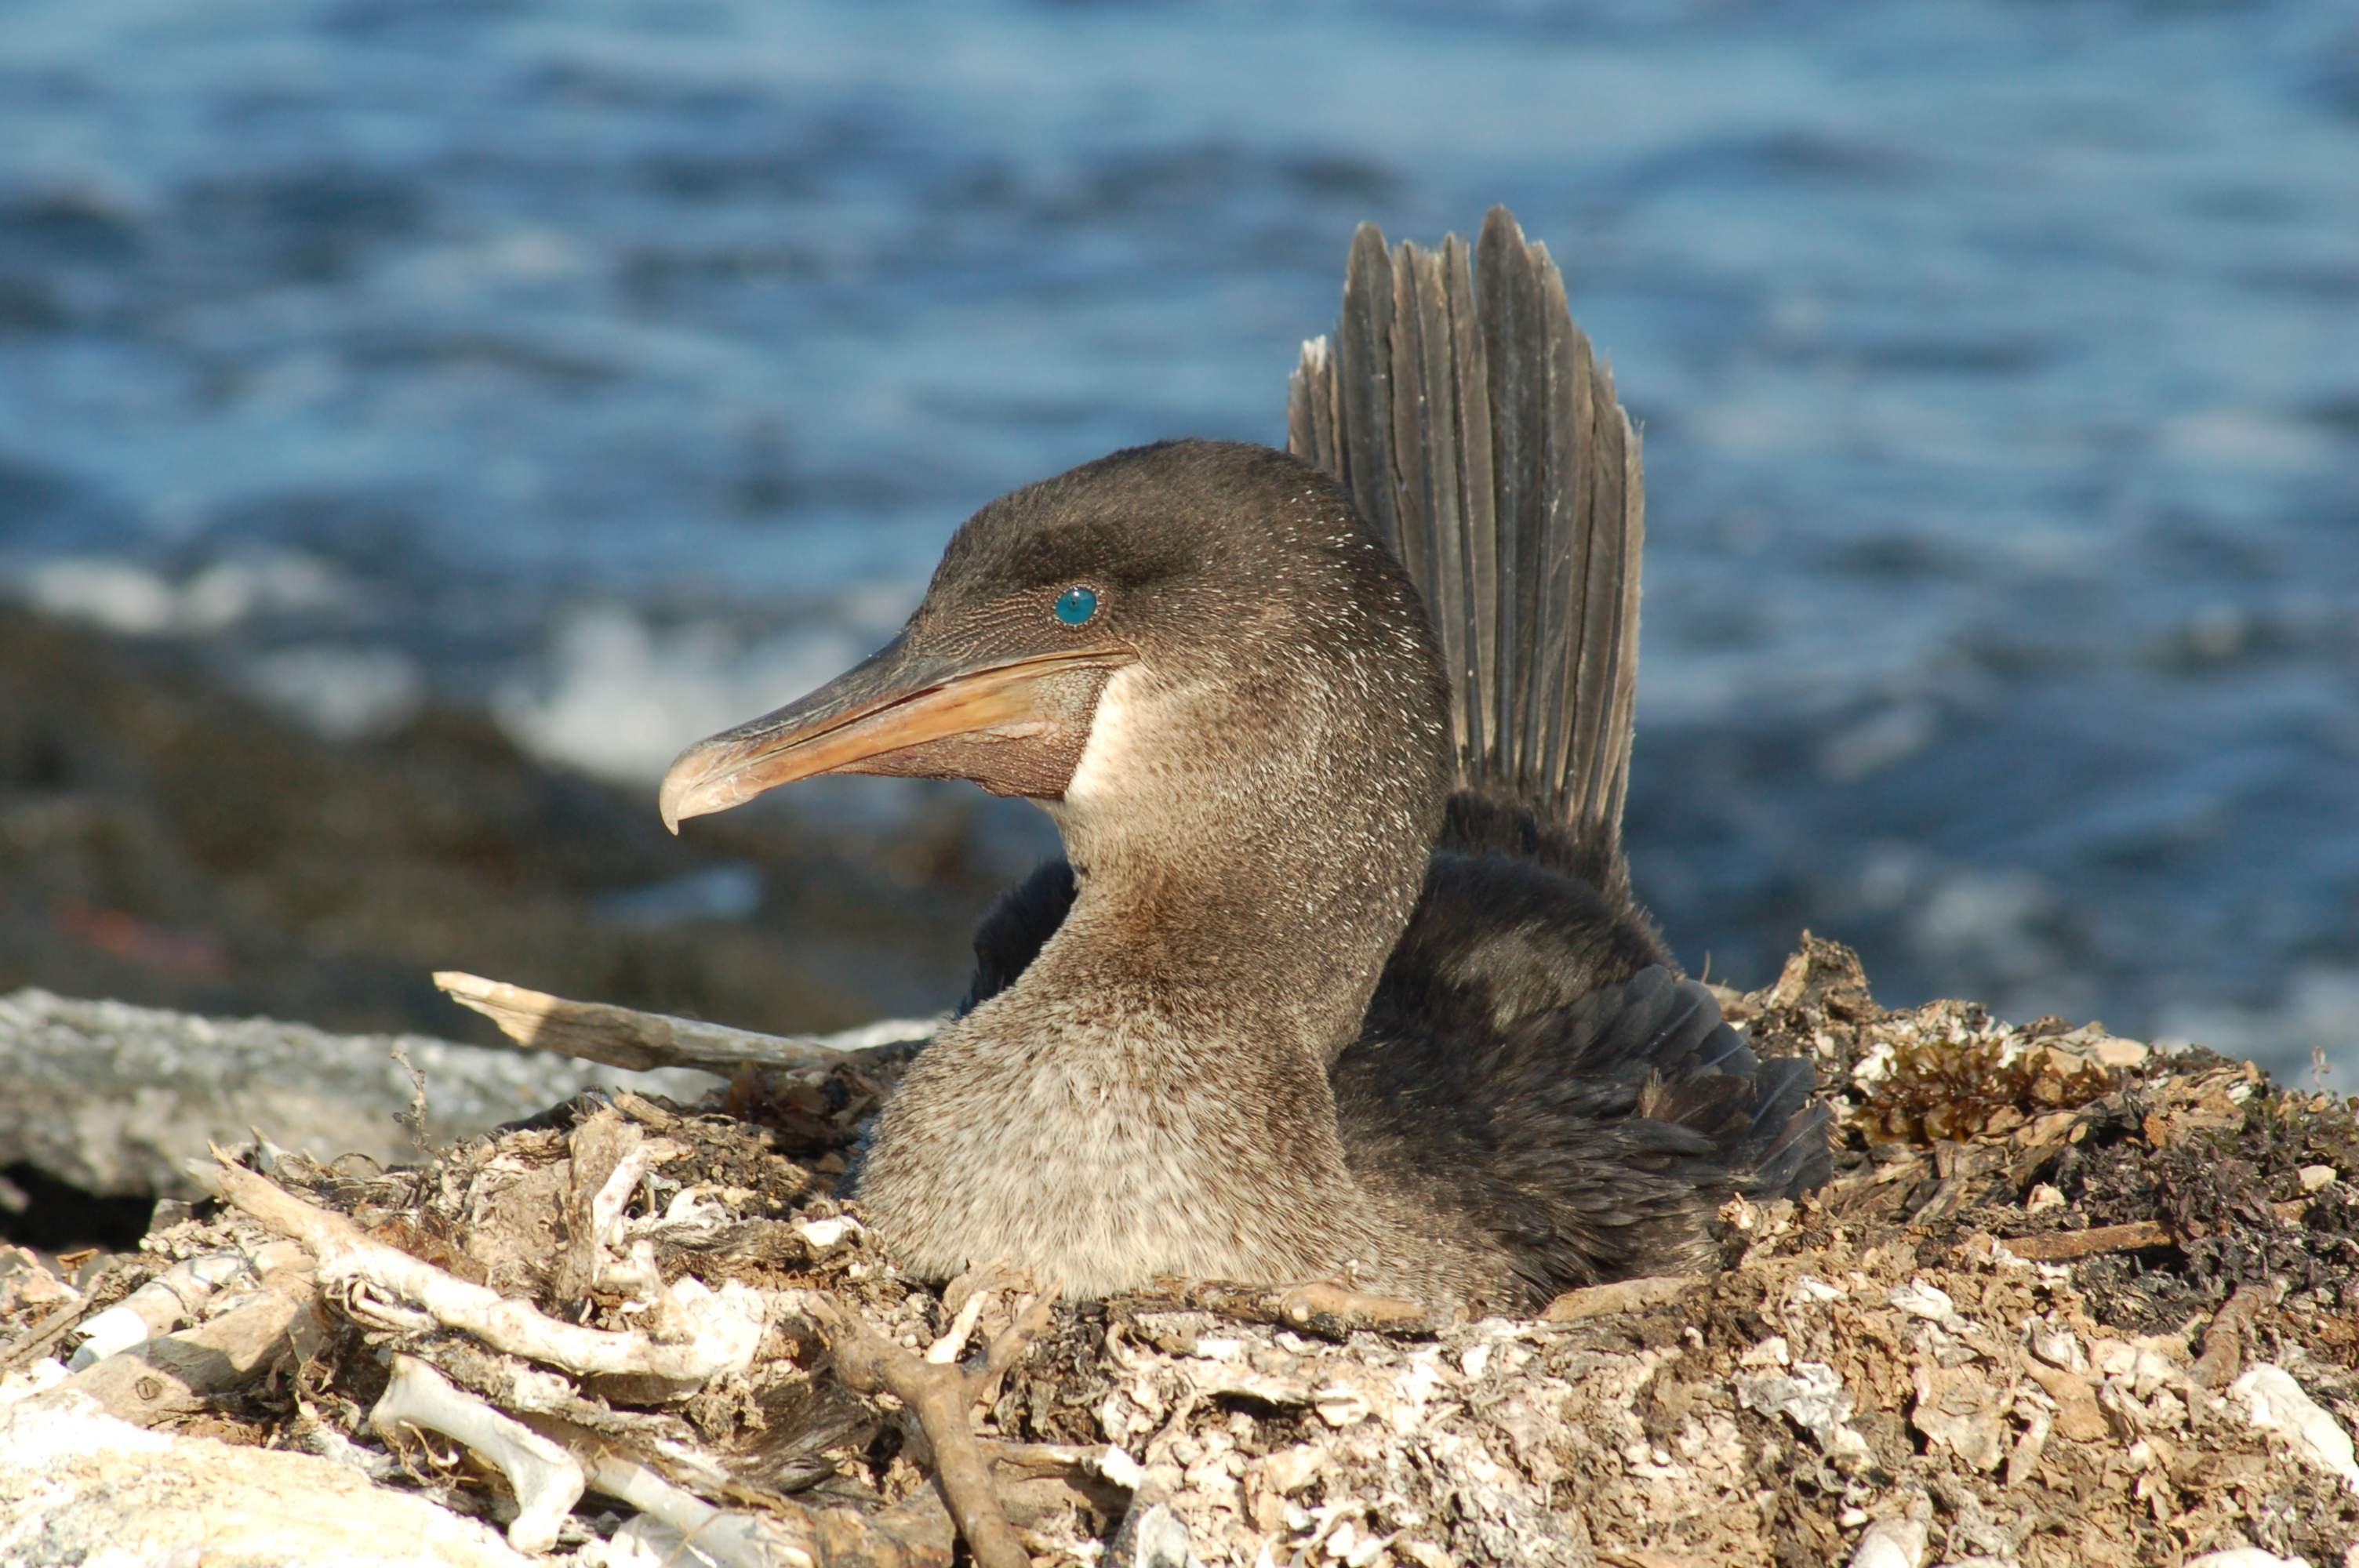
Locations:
(167, 842)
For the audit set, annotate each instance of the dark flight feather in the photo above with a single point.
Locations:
(1481, 440)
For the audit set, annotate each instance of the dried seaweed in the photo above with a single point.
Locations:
(1877, 1362)
(1949, 1092)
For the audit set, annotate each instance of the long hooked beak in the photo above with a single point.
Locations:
(894, 699)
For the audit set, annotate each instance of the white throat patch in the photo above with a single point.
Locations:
(1113, 745)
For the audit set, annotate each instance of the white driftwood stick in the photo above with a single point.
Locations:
(722, 1330)
(161, 1377)
(166, 1302)
(546, 1479)
(624, 1037)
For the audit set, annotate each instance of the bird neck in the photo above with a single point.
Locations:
(1244, 866)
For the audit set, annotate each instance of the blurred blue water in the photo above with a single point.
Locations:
(626, 365)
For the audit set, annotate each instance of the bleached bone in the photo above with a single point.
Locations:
(944, 1351)
(546, 1480)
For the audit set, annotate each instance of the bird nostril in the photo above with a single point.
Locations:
(1075, 606)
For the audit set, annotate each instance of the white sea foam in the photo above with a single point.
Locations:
(758, 308)
(123, 596)
(620, 698)
(337, 692)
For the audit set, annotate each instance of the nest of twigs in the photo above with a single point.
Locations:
(2068, 1300)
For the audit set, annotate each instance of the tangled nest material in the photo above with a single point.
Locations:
(2068, 1300)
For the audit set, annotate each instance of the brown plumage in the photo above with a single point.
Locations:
(1341, 976)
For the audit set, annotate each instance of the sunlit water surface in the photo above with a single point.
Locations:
(625, 367)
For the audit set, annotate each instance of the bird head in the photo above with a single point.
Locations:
(1188, 652)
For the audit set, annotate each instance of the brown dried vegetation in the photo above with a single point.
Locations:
(1886, 1353)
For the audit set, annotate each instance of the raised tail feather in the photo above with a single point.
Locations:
(1479, 434)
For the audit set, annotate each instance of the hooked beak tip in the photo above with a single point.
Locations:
(679, 782)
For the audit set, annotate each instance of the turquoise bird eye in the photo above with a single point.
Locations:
(1076, 605)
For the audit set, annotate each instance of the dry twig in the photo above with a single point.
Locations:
(2063, 1246)
(1621, 1295)
(939, 1396)
(2223, 1348)
(625, 1037)
(172, 1297)
(723, 1332)
(36, 1341)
